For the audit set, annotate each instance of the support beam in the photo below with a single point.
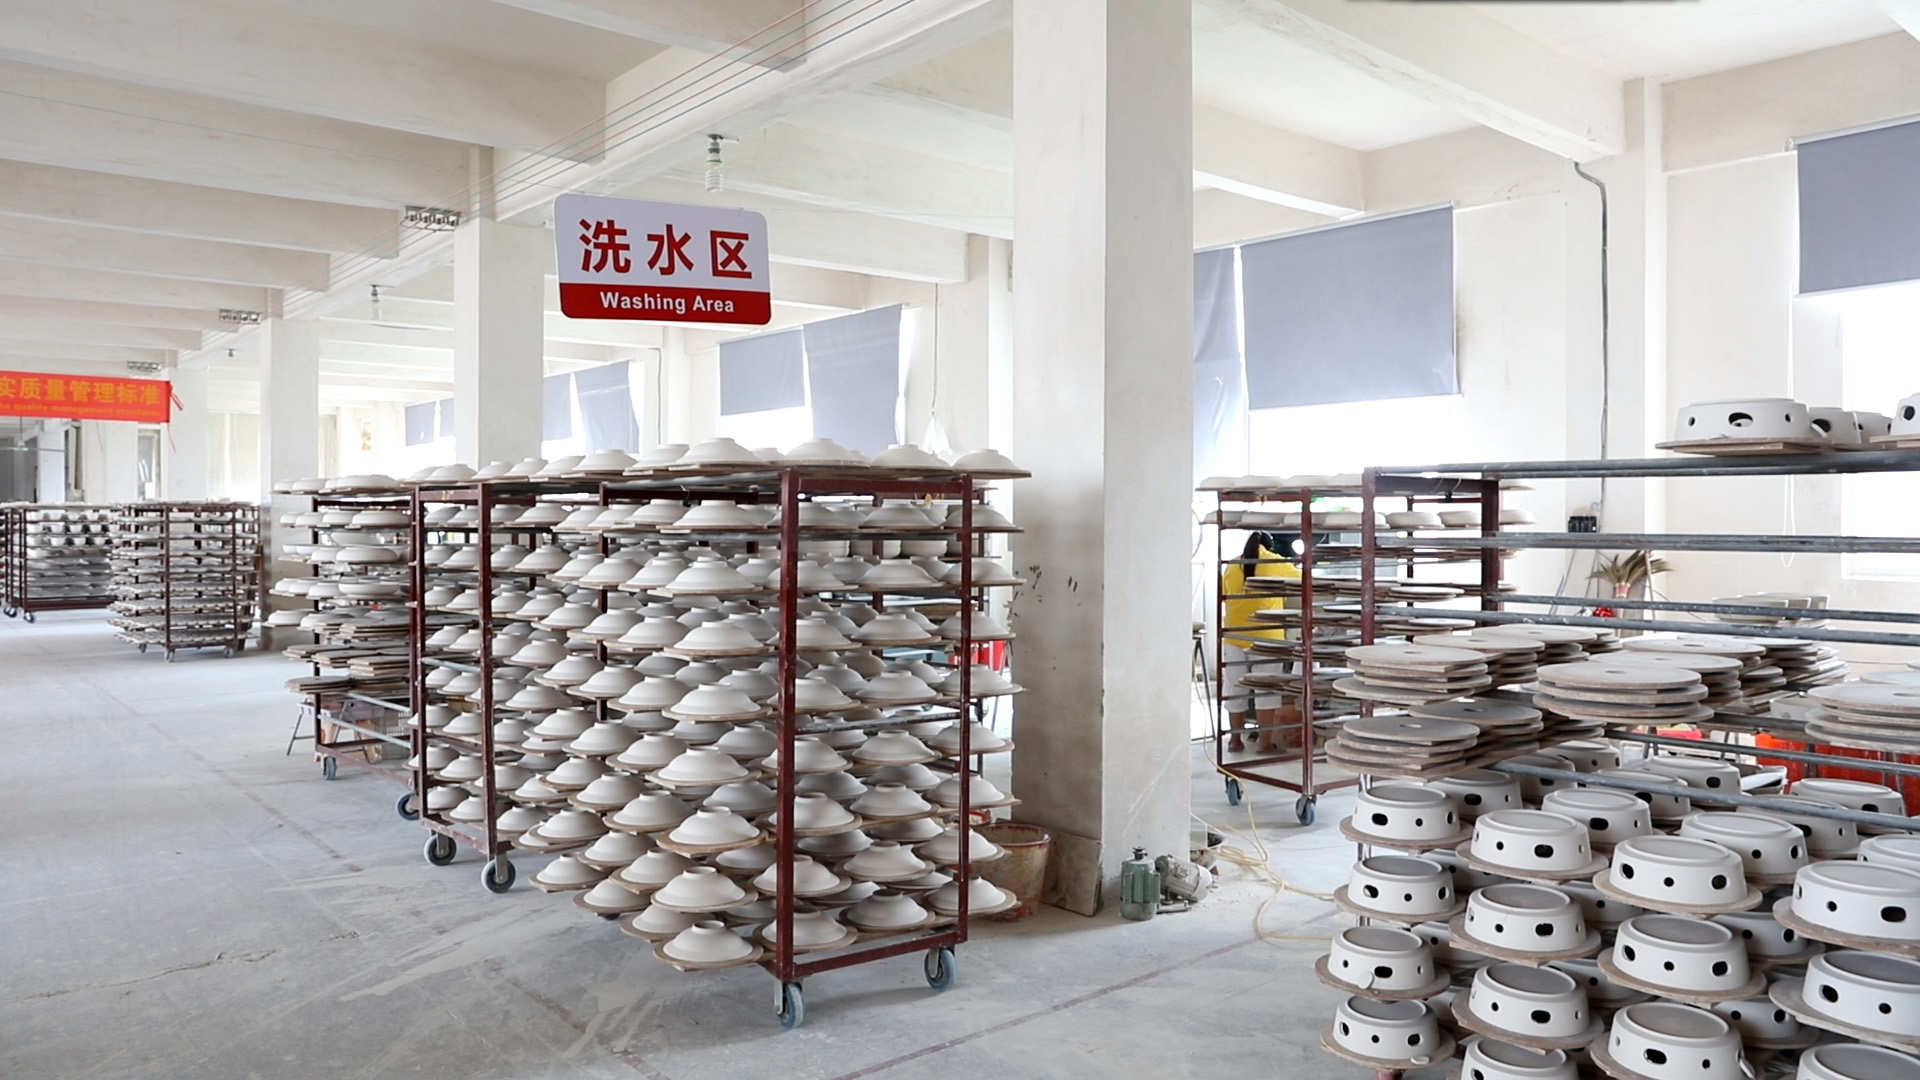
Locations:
(289, 421)
(710, 28)
(113, 314)
(50, 243)
(302, 64)
(499, 287)
(20, 278)
(71, 332)
(1103, 317)
(80, 197)
(76, 121)
(111, 359)
(1459, 58)
(1251, 159)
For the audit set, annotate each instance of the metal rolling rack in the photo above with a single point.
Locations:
(1480, 483)
(788, 488)
(351, 740)
(27, 585)
(1247, 770)
(192, 587)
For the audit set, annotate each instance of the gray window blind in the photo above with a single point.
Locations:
(556, 407)
(764, 372)
(1358, 312)
(853, 371)
(446, 417)
(606, 408)
(420, 421)
(1859, 208)
(1219, 378)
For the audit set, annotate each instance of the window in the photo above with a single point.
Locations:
(1879, 329)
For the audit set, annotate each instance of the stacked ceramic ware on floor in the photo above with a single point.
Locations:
(186, 575)
(604, 686)
(346, 568)
(55, 557)
(1648, 940)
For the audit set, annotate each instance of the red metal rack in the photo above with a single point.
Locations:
(18, 598)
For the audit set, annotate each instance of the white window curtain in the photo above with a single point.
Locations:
(1859, 208)
(606, 408)
(853, 373)
(763, 373)
(556, 407)
(1355, 312)
(1219, 377)
(420, 423)
(446, 417)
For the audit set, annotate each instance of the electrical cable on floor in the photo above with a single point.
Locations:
(1261, 864)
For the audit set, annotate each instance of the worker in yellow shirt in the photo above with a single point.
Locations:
(1276, 720)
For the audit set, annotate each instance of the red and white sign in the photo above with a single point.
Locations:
(661, 262)
(84, 397)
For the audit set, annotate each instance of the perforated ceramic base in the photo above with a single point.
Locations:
(1591, 867)
(1445, 843)
(1755, 985)
(1442, 1050)
(1604, 882)
(1784, 914)
(1612, 1067)
(1468, 943)
(1790, 994)
(1464, 1016)
(1745, 448)
(1442, 979)
(1347, 905)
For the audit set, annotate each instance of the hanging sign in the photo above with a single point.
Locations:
(84, 397)
(661, 262)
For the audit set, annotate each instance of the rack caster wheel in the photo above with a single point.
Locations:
(790, 1005)
(1234, 793)
(406, 809)
(498, 875)
(329, 768)
(1303, 809)
(227, 652)
(440, 849)
(611, 918)
(142, 646)
(31, 617)
(942, 967)
(169, 656)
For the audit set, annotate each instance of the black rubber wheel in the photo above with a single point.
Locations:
(227, 652)
(1233, 791)
(790, 1005)
(1303, 809)
(329, 768)
(441, 849)
(498, 875)
(406, 809)
(609, 918)
(942, 967)
(31, 617)
(169, 656)
(143, 646)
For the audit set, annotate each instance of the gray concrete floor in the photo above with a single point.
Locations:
(179, 899)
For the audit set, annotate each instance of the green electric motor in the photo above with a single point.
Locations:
(1139, 887)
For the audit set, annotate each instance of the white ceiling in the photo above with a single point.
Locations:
(1691, 37)
(492, 32)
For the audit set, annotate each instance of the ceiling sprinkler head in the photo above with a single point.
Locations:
(715, 183)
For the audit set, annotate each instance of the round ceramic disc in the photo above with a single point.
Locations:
(1405, 656)
(1551, 635)
(1695, 646)
(1704, 663)
(1876, 698)
(1893, 678)
(1410, 729)
(1605, 675)
(1481, 641)
(1613, 710)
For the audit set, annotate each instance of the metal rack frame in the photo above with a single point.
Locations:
(16, 577)
(238, 572)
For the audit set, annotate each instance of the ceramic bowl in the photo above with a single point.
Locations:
(711, 828)
(892, 629)
(652, 694)
(747, 742)
(1873, 900)
(567, 872)
(1853, 794)
(748, 798)
(715, 702)
(1480, 791)
(701, 889)
(1530, 1002)
(981, 793)
(908, 457)
(716, 452)
(811, 755)
(1381, 959)
(1525, 919)
(720, 638)
(1768, 847)
(983, 896)
(1874, 991)
(1894, 849)
(816, 813)
(981, 739)
(563, 724)
(1406, 815)
(890, 801)
(1856, 1061)
(1696, 772)
(1660, 1040)
(708, 943)
(1388, 1030)
(1610, 816)
(886, 861)
(1401, 888)
(569, 826)
(1490, 1059)
(1685, 955)
(1587, 755)
(652, 812)
(1532, 842)
(701, 765)
(1678, 873)
(894, 747)
(603, 740)
(887, 909)
(576, 773)
(1745, 418)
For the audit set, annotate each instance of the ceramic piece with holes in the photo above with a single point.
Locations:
(1481, 791)
(1604, 994)
(1659, 1040)
(1863, 905)
(1827, 838)
(1527, 924)
(1391, 1036)
(1380, 962)
(1610, 816)
(1769, 945)
(1599, 909)
(1894, 849)
(1490, 1059)
(1692, 960)
(1678, 875)
(1533, 845)
(1406, 817)
(1870, 996)
(1852, 1061)
(1771, 851)
(1765, 1026)
(1399, 889)
(1540, 1008)
(1667, 808)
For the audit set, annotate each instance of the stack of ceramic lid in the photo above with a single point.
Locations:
(1510, 658)
(1868, 715)
(1759, 682)
(186, 575)
(1558, 644)
(1405, 746)
(1604, 641)
(1413, 674)
(1506, 728)
(1803, 664)
(60, 553)
(1596, 693)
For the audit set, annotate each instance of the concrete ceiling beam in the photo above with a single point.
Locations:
(707, 27)
(21, 278)
(138, 315)
(69, 331)
(83, 247)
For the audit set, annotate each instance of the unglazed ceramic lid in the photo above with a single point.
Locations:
(708, 826)
(654, 810)
(718, 451)
(908, 456)
(708, 942)
(982, 792)
(701, 765)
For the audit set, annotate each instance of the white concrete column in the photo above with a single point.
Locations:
(185, 439)
(1103, 388)
(970, 320)
(109, 461)
(289, 401)
(499, 339)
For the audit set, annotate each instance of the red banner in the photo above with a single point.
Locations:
(661, 303)
(84, 397)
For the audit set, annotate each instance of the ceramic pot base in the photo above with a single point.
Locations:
(1347, 905)
(1752, 988)
(1783, 913)
(1441, 1052)
(1604, 882)
(1790, 995)
(1442, 979)
(1444, 843)
(1466, 942)
(1465, 1017)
